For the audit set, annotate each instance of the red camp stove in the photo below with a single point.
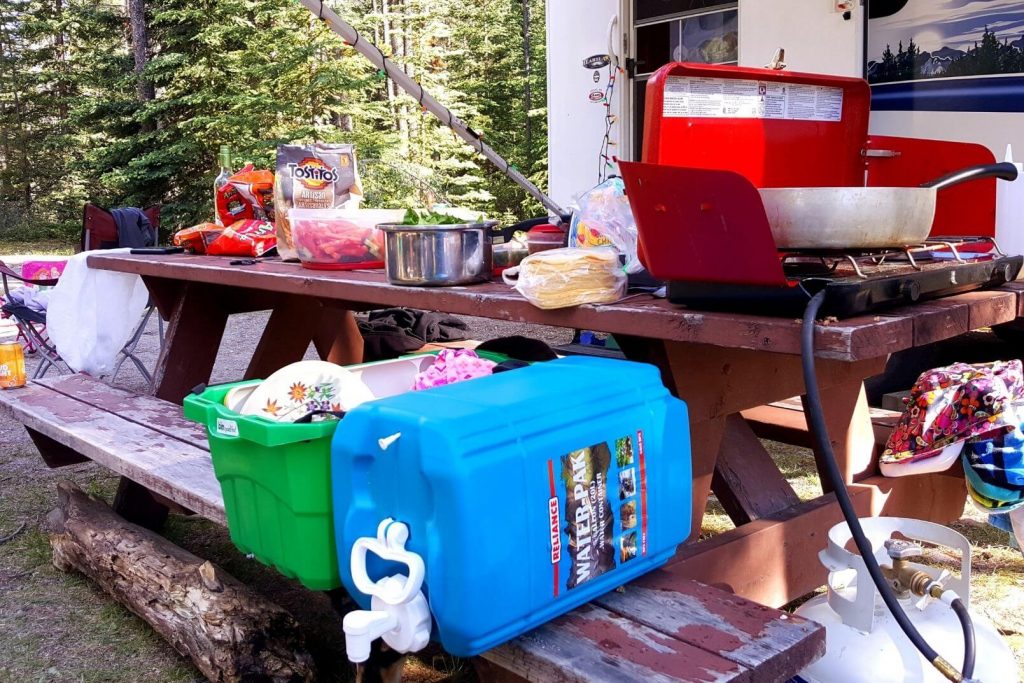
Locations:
(714, 135)
(857, 282)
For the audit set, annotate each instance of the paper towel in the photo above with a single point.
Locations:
(1010, 210)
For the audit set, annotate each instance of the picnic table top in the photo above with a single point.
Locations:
(641, 315)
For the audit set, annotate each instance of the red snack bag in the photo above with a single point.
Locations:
(244, 238)
(198, 237)
(249, 195)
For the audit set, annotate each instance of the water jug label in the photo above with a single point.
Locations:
(597, 511)
(227, 427)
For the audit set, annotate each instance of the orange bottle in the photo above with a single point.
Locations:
(12, 365)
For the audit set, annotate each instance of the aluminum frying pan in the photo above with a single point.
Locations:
(862, 217)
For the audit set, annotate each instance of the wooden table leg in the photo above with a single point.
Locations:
(773, 558)
(848, 420)
(705, 432)
(193, 338)
(747, 481)
(286, 336)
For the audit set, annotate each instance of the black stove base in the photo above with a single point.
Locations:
(848, 296)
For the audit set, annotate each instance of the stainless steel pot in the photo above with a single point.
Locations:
(437, 255)
(862, 217)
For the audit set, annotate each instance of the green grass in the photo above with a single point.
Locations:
(41, 247)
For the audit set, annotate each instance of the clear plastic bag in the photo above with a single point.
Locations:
(92, 314)
(559, 278)
(605, 219)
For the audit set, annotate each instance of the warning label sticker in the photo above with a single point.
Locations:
(687, 96)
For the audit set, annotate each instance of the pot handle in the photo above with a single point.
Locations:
(1003, 170)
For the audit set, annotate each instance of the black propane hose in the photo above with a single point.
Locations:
(960, 609)
(816, 422)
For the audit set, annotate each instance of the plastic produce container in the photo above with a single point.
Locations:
(340, 239)
(542, 237)
(518, 511)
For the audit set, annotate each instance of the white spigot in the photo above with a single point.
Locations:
(362, 627)
(398, 612)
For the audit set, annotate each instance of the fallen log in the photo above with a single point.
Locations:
(228, 631)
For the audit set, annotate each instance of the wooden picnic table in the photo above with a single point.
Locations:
(719, 363)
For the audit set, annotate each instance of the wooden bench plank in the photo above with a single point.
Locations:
(763, 639)
(593, 645)
(147, 411)
(784, 421)
(171, 468)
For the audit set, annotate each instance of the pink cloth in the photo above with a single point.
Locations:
(451, 366)
(42, 270)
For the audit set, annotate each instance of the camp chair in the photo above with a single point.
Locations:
(99, 231)
(31, 323)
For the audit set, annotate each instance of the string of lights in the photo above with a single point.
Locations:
(606, 159)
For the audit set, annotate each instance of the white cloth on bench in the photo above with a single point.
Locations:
(92, 314)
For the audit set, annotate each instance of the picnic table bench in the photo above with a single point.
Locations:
(656, 629)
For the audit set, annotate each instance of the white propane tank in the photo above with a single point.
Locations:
(863, 641)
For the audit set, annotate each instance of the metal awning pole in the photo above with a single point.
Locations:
(373, 53)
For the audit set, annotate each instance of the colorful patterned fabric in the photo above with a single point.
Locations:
(956, 403)
(989, 506)
(998, 461)
(451, 366)
(997, 494)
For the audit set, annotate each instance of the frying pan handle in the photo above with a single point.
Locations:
(1004, 170)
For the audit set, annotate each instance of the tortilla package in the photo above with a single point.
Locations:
(248, 196)
(559, 278)
(318, 176)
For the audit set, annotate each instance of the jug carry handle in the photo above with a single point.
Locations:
(388, 545)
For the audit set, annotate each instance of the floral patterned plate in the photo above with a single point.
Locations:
(304, 387)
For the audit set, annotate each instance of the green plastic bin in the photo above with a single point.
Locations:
(276, 482)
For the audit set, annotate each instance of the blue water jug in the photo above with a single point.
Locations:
(477, 511)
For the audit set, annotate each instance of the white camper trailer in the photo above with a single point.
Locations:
(819, 36)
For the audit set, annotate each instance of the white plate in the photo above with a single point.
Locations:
(937, 463)
(300, 388)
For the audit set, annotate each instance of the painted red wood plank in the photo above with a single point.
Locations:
(592, 645)
(771, 643)
(854, 339)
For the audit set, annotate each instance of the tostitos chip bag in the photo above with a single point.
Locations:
(318, 176)
(248, 195)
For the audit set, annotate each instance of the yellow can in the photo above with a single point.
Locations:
(12, 365)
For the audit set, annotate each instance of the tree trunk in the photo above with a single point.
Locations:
(527, 94)
(62, 59)
(229, 632)
(140, 48)
(394, 38)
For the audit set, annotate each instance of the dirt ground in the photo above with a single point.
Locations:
(59, 627)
